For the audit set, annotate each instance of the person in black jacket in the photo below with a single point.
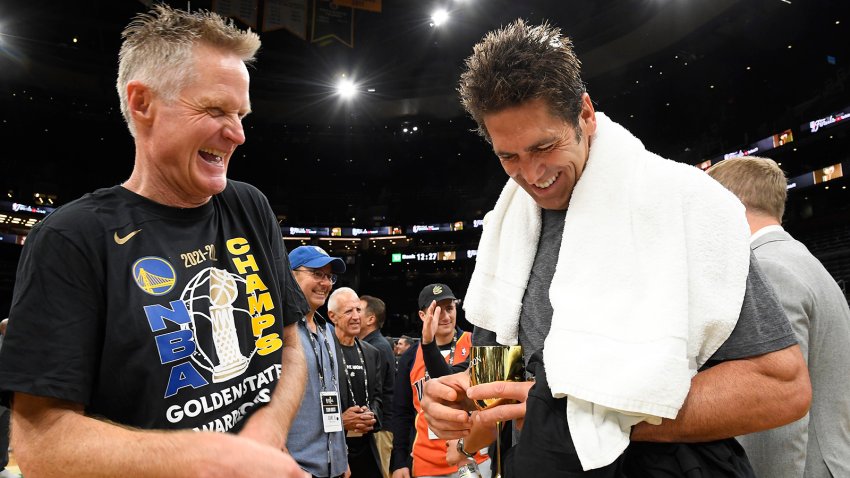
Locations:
(361, 367)
(373, 314)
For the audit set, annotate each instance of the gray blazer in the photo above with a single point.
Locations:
(818, 444)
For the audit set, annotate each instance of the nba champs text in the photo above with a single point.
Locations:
(210, 334)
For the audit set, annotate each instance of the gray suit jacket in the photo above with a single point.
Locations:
(819, 443)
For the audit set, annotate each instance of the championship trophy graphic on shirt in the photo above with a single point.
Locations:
(224, 357)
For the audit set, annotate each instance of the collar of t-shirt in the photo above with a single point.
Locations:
(765, 230)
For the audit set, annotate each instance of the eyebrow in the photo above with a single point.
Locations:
(529, 149)
(215, 102)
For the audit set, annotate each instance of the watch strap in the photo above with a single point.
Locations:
(461, 450)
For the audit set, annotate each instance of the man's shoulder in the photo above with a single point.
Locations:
(780, 251)
(85, 216)
(377, 339)
(368, 348)
(241, 189)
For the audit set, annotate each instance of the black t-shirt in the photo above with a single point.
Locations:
(153, 316)
(356, 371)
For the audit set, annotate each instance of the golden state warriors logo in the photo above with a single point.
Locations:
(154, 275)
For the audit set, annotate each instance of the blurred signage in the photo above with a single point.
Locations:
(432, 256)
(18, 207)
(442, 227)
(817, 176)
(306, 231)
(763, 145)
(825, 122)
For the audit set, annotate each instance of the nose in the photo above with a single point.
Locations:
(235, 132)
(532, 169)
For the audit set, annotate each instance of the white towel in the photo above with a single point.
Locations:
(650, 280)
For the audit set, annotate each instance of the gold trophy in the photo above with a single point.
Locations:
(496, 363)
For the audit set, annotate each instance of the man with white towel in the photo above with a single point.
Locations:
(628, 280)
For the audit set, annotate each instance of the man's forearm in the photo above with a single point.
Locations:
(53, 438)
(738, 397)
(293, 378)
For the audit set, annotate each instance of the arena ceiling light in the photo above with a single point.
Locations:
(439, 17)
(346, 88)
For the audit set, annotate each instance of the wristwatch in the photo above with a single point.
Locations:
(462, 451)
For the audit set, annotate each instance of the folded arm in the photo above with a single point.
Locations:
(738, 397)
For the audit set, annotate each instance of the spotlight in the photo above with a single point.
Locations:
(346, 88)
(439, 17)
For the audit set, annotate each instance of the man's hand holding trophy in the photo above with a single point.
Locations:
(494, 385)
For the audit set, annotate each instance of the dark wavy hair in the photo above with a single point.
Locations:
(519, 63)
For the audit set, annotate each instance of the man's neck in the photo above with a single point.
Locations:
(311, 323)
(151, 188)
(344, 339)
(759, 221)
(444, 339)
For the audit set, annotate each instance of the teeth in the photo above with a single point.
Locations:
(218, 154)
(547, 183)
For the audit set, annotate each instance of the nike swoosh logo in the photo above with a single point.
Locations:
(123, 240)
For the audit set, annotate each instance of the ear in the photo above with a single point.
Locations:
(140, 103)
(587, 117)
(422, 315)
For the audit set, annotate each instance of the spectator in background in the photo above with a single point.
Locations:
(373, 313)
(316, 438)
(443, 346)
(404, 343)
(362, 367)
(818, 445)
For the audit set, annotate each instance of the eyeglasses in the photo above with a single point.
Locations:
(319, 275)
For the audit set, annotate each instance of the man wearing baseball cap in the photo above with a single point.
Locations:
(316, 439)
(443, 345)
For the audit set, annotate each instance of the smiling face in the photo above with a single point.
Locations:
(316, 291)
(540, 151)
(346, 317)
(447, 319)
(184, 146)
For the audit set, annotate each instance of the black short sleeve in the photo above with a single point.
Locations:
(57, 310)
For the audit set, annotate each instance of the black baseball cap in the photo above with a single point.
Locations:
(436, 292)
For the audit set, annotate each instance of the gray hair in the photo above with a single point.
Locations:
(158, 50)
(337, 296)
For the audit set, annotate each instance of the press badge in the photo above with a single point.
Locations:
(331, 418)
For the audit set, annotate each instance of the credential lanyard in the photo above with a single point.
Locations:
(315, 347)
(365, 375)
(320, 330)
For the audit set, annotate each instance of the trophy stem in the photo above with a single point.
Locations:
(498, 449)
